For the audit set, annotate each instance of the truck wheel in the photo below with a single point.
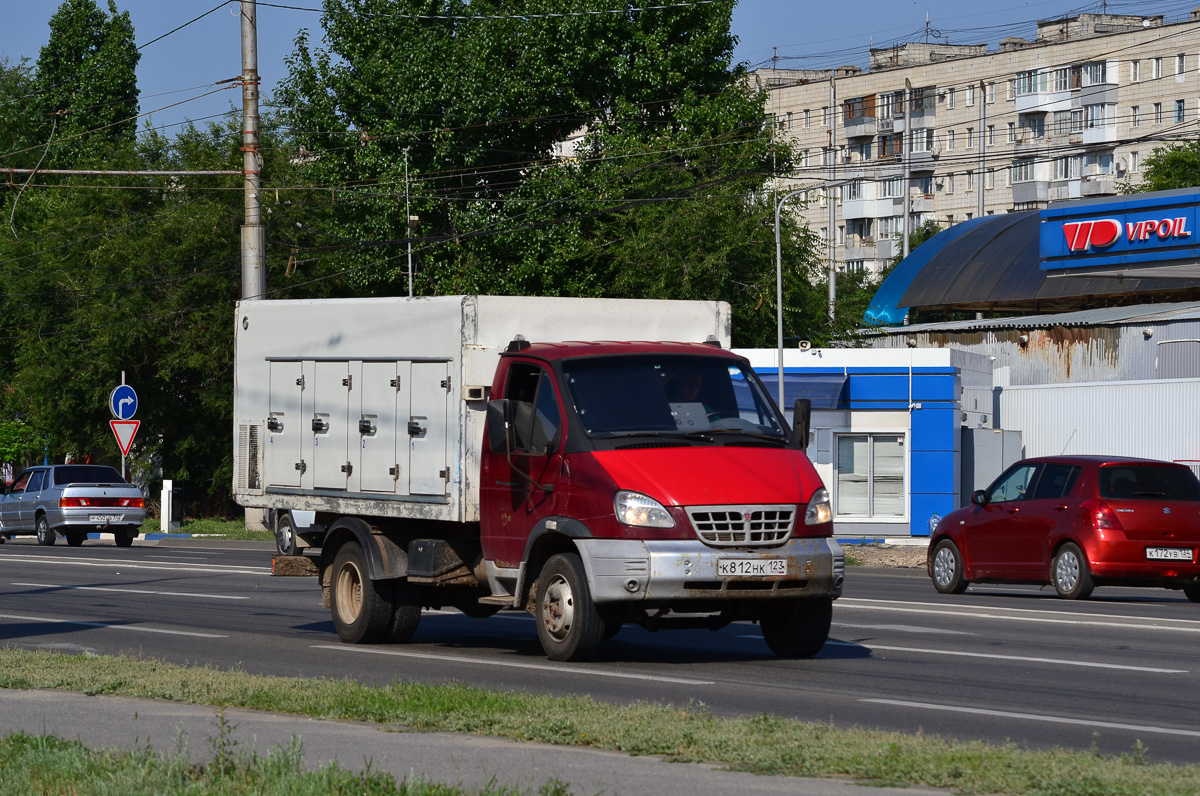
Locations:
(568, 624)
(45, 534)
(797, 628)
(406, 612)
(361, 611)
(124, 536)
(285, 535)
(75, 538)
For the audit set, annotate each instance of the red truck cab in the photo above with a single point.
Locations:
(652, 483)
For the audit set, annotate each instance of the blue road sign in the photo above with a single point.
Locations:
(123, 402)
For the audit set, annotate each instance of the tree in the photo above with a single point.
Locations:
(1168, 167)
(663, 199)
(86, 85)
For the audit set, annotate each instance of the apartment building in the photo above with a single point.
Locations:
(1072, 114)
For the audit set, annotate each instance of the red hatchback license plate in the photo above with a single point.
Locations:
(1168, 553)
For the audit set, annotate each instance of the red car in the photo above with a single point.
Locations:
(1075, 522)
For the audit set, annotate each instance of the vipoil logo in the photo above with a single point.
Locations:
(1098, 233)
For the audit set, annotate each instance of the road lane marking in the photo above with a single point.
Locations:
(908, 629)
(215, 569)
(135, 591)
(1110, 725)
(514, 665)
(110, 626)
(1008, 614)
(993, 656)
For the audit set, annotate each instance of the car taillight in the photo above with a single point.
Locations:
(134, 503)
(72, 502)
(1105, 518)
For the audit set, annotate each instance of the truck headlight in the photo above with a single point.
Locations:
(634, 508)
(819, 511)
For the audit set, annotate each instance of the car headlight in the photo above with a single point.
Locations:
(634, 508)
(819, 511)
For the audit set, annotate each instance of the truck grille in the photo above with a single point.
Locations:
(742, 526)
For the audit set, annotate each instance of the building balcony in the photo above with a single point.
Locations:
(870, 208)
(920, 161)
(1028, 142)
(922, 203)
(1100, 135)
(859, 248)
(1031, 191)
(861, 127)
(1099, 185)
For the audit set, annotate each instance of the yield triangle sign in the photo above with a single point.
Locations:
(124, 431)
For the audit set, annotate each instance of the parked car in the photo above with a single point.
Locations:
(1075, 522)
(71, 500)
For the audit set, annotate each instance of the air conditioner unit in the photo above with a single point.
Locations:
(1122, 165)
(846, 158)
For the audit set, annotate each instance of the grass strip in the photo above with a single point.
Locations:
(762, 744)
(45, 764)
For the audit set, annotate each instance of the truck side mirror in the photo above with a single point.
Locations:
(801, 417)
(500, 414)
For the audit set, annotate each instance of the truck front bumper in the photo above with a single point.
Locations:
(621, 570)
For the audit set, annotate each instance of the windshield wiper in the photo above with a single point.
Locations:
(683, 435)
(755, 434)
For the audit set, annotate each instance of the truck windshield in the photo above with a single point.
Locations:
(679, 394)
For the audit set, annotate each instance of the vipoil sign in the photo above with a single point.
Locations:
(1152, 228)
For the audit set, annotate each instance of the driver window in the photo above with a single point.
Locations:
(35, 482)
(537, 421)
(1014, 486)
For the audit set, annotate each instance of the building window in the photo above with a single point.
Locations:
(1022, 170)
(789, 113)
(825, 234)
(1179, 64)
(970, 96)
(991, 93)
(970, 180)
(950, 182)
(1026, 83)
(922, 140)
(950, 98)
(891, 146)
(1135, 161)
(870, 475)
(1135, 115)
(1158, 113)
(950, 139)
(1094, 116)
(1062, 79)
(1012, 132)
(891, 187)
(970, 138)
(825, 115)
(852, 190)
(1156, 68)
(991, 179)
(841, 233)
(1179, 110)
(804, 158)
(1135, 71)
(807, 117)
(991, 135)
(1066, 168)
(1095, 73)
(856, 266)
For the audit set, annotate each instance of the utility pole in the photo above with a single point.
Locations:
(905, 146)
(254, 271)
(830, 198)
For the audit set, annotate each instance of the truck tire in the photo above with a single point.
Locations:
(285, 535)
(124, 536)
(568, 624)
(362, 612)
(406, 612)
(797, 628)
(45, 534)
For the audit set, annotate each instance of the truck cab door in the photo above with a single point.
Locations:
(518, 491)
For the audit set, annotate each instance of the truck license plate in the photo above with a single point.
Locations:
(1169, 553)
(751, 567)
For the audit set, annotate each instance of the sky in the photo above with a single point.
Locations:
(177, 70)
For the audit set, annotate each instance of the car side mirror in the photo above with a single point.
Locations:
(801, 418)
(979, 497)
(500, 414)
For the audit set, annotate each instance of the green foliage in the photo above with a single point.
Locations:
(1168, 167)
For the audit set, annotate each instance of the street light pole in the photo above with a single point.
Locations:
(779, 287)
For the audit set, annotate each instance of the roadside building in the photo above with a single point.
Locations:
(982, 130)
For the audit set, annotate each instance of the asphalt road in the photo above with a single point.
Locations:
(995, 664)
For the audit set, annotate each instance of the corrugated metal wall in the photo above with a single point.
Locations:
(1073, 354)
(1155, 419)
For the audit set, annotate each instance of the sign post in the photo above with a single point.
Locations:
(123, 404)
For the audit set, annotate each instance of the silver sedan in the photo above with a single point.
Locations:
(71, 500)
